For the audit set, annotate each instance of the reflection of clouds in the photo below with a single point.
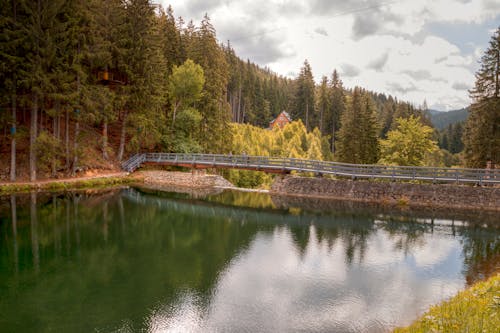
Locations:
(273, 287)
(435, 250)
(184, 316)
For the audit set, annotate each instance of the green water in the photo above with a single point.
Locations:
(140, 260)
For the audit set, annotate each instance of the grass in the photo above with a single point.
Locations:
(476, 309)
(67, 185)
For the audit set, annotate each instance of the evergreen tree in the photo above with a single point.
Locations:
(10, 63)
(482, 130)
(213, 106)
(358, 139)
(146, 73)
(303, 105)
(337, 108)
(323, 101)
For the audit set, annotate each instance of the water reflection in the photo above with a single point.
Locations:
(135, 261)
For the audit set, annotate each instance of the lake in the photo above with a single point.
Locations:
(129, 260)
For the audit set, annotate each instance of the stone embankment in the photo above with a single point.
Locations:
(184, 179)
(391, 193)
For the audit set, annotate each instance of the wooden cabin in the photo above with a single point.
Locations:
(281, 120)
(111, 78)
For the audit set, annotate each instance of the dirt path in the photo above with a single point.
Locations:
(67, 180)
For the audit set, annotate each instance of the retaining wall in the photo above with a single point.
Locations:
(392, 193)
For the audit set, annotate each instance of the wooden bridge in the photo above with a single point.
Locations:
(287, 165)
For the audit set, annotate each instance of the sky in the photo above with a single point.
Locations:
(415, 50)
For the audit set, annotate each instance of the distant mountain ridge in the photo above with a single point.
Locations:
(441, 119)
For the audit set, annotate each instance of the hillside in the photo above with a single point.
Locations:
(441, 119)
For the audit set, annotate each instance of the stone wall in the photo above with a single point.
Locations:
(391, 193)
(194, 179)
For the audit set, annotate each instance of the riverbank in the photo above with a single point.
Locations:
(100, 180)
(166, 179)
(476, 309)
(386, 194)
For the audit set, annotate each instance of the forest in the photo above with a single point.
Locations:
(88, 83)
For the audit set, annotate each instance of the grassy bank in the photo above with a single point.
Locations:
(476, 309)
(63, 185)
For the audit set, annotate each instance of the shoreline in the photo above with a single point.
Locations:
(64, 184)
(318, 189)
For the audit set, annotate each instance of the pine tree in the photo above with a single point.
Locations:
(337, 108)
(44, 26)
(303, 104)
(106, 23)
(323, 101)
(146, 74)
(482, 130)
(358, 139)
(10, 63)
(205, 51)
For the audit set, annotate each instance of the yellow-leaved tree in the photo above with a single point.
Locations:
(408, 144)
(292, 141)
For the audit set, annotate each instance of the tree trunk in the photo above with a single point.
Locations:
(41, 127)
(34, 232)
(66, 129)
(13, 208)
(321, 120)
(105, 140)
(13, 143)
(333, 136)
(54, 132)
(176, 106)
(75, 147)
(497, 83)
(121, 149)
(307, 117)
(33, 136)
(239, 106)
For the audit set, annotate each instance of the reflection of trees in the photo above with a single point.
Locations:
(162, 252)
(353, 230)
(481, 250)
(34, 232)
(14, 232)
(406, 233)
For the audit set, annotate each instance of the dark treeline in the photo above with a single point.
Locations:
(74, 67)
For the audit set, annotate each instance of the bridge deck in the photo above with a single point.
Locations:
(286, 165)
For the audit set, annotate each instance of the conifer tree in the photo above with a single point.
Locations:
(323, 101)
(358, 139)
(303, 105)
(10, 63)
(337, 108)
(482, 130)
(205, 51)
(146, 74)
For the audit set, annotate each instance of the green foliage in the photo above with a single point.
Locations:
(408, 144)
(185, 86)
(482, 130)
(186, 140)
(473, 310)
(49, 150)
(358, 135)
(304, 101)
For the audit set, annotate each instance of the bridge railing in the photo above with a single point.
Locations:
(267, 163)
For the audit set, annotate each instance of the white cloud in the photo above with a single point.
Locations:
(355, 37)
